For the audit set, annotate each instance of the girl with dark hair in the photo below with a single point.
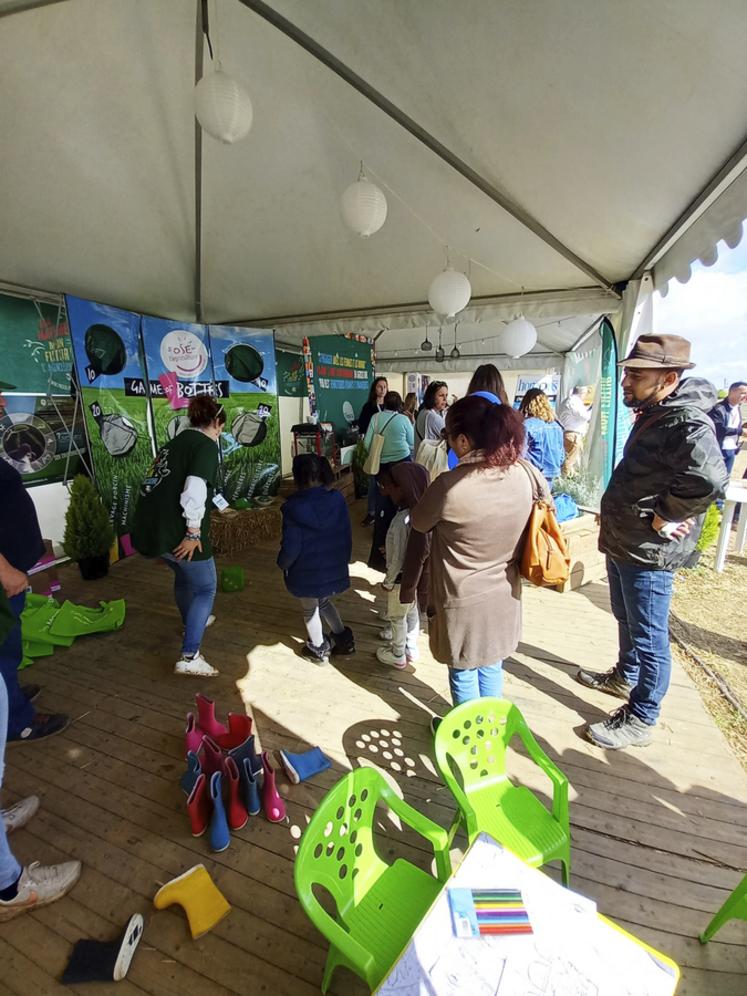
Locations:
(545, 447)
(374, 404)
(314, 555)
(430, 421)
(172, 521)
(488, 378)
(476, 514)
(410, 406)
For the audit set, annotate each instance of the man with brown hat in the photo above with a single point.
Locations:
(651, 516)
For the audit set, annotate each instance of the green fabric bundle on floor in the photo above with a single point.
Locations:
(46, 624)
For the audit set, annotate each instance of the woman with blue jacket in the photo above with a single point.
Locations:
(544, 434)
(314, 555)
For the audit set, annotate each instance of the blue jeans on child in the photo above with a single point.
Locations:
(19, 713)
(476, 683)
(195, 584)
(640, 598)
(10, 870)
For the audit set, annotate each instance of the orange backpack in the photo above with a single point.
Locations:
(544, 560)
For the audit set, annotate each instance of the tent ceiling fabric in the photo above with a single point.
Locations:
(601, 120)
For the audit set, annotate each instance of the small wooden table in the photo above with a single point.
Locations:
(573, 948)
(736, 493)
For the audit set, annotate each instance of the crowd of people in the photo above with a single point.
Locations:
(447, 542)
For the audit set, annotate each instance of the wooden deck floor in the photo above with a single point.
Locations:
(659, 834)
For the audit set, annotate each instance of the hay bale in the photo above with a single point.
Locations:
(239, 529)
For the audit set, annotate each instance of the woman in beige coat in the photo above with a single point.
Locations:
(477, 515)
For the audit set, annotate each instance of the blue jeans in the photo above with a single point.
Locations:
(10, 870)
(195, 584)
(729, 457)
(476, 683)
(19, 711)
(640, 599)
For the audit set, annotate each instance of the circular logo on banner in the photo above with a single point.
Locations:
(28, 443)
(184, 353)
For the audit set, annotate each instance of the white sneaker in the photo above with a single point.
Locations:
(20, 814)
(196, 667)
(385, 633)
(133, 933)
(385, 655)
(40, 885)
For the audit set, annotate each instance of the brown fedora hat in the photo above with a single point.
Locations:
(670, 352)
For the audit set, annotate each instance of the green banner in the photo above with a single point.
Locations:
(291, 375)
(608, 400)
(37, 352)
(339, 371)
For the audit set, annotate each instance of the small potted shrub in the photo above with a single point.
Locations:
(708, 535)
(88, 531)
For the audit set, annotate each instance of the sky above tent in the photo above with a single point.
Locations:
(711, 311)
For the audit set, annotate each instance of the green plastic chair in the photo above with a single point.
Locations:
(735, 908)
(471, 744)
(378, 905)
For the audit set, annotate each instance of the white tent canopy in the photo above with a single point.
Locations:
(598, 124)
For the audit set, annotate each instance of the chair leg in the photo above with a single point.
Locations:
(329, 968)
(566, 865)
(735, 907)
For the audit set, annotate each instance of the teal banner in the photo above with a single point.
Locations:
(291, 374)
(339, 371)
(608, 392)
(37, 352)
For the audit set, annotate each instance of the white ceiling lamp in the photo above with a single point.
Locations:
(223, 107)
(518, 337)
(449, 292)
(363, 206)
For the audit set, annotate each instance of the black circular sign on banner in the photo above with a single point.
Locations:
(105, 350)
(243, 362)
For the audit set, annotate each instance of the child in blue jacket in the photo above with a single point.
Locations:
(314, 555)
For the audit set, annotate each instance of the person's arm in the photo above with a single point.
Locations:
(429, 510)
(291, 545)
(416, 556)
(369, 434)
(12, 581)
(720, 422)
(193, 500)
(364, 419)
(434, 423)
(396, 544)
(699, 476)
(409, 433)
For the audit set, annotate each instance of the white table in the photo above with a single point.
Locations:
(736, 494)
(572, 950)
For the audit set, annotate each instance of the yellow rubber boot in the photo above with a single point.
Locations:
(199, 897)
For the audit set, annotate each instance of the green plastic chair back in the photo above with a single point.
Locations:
(735, 908)
(378, 906)
(471, 744)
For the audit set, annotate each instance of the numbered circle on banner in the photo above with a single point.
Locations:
(105, 350)
(244, 362)
(27, 443)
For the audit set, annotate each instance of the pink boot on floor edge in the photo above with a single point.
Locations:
(272, 804)
(206, 717)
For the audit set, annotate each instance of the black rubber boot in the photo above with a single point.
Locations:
(343, 643)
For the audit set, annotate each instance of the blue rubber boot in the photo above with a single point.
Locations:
(220, 836)
(250, 788)
(299, 767)
(246, 750)
(193, 772)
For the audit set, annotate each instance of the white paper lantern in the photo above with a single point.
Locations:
(223, 107)
(363, 207)
(449, 293)
(518, 337)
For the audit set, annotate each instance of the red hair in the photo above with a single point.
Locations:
(497, 429)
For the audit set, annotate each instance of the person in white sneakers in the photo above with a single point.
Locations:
(24, 888)
(405, 483)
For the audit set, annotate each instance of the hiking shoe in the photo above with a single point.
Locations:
(386, 656)
(621, 729)
(385, 633)
(317, 655)
(434, 724)
(20, 814)
(611, 682)
(40, 885)
(30, 692)
(42, 725)
(342, 643)
(368, 520)
(195, 667)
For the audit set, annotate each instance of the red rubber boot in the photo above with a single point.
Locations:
(206, 717)
(273, 805)
(239, 728)
(199, 807)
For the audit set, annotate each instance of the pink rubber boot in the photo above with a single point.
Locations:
(206, 717)
(211, 757)
(273, 805)
(192, 735)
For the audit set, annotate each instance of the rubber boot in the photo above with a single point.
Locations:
(199, 806)
(239, 728)
(299, 767)
(192, 735)
(103, 961)
(238, 817)
(246, 750)
(274, 806)
(220, 836)
(198, 896)
(206, 717)
(211, 756)
(193, 772)
(250, 787)
(343, 644)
